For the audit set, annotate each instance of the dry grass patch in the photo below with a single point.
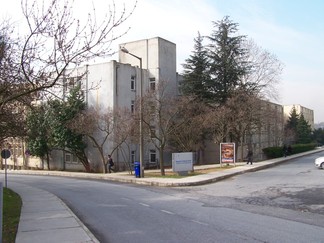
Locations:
(171, 174)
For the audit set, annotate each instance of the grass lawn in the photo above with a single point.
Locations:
(170, 174)
(11, 214)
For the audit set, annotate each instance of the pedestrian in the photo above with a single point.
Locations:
(289, 150)
(249, 157)
(110, 164)
(284, 150)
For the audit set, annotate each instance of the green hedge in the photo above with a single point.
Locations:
(276, 152)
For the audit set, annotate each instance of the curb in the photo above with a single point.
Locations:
(165, 182)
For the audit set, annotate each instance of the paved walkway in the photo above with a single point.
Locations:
(45, 218)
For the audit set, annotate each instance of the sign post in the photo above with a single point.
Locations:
(227, 153)
(182, 163)
(5, 154)
(1, 210)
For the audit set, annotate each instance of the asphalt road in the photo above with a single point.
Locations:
(280, 204)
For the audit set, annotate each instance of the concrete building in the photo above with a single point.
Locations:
(308, 113)
(271, 132)
(113, 85)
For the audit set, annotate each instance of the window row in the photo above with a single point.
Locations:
(152, 83)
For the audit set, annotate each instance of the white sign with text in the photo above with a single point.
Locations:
(182, 162)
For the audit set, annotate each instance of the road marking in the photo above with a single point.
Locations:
(125, 198)
(198, 222)
(145, 205)
(113, 205)
(165, 211)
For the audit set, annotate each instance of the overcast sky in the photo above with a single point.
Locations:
(293, 30)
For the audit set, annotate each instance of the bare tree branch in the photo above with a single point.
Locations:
(265, 73)
(57, 41)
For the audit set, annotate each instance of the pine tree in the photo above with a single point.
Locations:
(318, 136)
(195, 71)
(227, 60)
(293, 119)
(303, 130)
(291, 126)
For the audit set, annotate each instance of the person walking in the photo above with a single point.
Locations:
(110, 164)
(289, 150)
(284, 150)
(249, 157)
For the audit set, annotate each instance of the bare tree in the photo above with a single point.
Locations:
(55, 42)
(160, 110)
(103, 127)
(245, 117)
(265, 72)
(189, 127)
(217, 121)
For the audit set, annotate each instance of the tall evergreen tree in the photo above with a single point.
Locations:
(38, 135)
(63, 137)
(291, 126)
(292, 119)
(227, 60)
(303, 130)
(48, 130)
(195, 71)
(318, 136)
(297, 129)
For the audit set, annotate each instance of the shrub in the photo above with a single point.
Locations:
(273, 152)
(276, 152)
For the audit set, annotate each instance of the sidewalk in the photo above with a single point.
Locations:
(126, 177)
(45, 218)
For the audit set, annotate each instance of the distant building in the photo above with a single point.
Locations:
(270, 133)
(308, 113)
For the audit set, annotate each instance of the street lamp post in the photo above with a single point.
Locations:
(141, 143)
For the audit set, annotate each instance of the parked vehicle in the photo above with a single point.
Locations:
(319, 162)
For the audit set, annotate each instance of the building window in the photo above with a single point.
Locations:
(71, 82)
(132, 106)
(152, 83)
(65, 84)
(71, 158)
(133, 156)
(152, 156)
(153, 132)
(133, 82)
(68, 158)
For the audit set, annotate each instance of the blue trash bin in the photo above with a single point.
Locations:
(137, 169)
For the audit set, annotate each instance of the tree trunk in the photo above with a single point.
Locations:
(48, 162)
(161, 162)
(84, 160)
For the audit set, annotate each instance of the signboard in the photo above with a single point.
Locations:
(227, 153)
(182, 162)
(5, 154)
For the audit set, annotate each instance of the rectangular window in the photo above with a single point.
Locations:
(132, 106)
(152, 132)
(71, 158)
(133, 82)
(78, 80)
(71, 81)
(68, 158)
(152, 83)
(152, 156)
(65, 84)
(133, 156)
(75, 159)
